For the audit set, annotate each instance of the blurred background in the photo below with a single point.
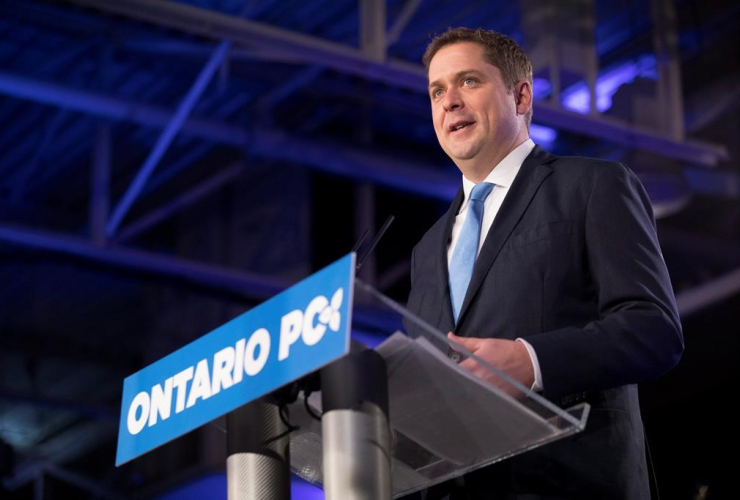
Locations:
(167, 165)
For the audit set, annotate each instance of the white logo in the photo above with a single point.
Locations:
(330, 315)
(310, 325)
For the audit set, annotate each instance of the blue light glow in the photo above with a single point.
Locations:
(577, 98)
(544, 136)
(212, 486)
(541, 88)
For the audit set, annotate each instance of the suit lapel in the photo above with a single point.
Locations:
(531, 174)
(447, 320)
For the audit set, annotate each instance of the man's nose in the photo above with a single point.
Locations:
(452, 100)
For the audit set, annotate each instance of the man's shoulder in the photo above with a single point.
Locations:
(586, 164)
(586, 171)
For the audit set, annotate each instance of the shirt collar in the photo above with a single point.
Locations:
(504, 173)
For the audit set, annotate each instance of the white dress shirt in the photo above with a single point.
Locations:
(502, 176)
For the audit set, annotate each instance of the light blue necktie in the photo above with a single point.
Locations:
(466, 249)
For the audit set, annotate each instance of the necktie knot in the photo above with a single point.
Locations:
(481, 191)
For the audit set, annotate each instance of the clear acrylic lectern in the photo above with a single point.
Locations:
(450, 413)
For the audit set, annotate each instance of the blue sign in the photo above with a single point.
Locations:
(294, 333)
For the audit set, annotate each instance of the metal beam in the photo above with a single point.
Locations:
(98, 104)
(396, 73)
(361, 164)
(706, 294)
(168, 134)
(404, 17)
(24, 121)
(712, 102)
(238, 283)
(217, 278)
(250, 34)
(632, 136)
(386, 169)
(665, 44)
(199, 50)
(28, 148)
(326, 156)
(37, 154)
(272, 98)
(190, 157)
(372, 29)
(182, 201)
(198, 150)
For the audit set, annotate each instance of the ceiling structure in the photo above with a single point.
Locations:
(165, 165)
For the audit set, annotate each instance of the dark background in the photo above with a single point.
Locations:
(291, 150)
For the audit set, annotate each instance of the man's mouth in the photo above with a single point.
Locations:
(457, 126)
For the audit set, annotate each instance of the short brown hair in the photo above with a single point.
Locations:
(499, 49)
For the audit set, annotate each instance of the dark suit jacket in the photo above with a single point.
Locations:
(571, 264)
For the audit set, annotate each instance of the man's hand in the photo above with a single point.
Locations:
(509, 356)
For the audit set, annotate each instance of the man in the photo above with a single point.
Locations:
(562, 283)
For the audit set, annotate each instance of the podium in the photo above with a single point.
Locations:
(454, 425)
(443, 420)
(415, 412)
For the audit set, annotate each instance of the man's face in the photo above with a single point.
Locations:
(474, 115)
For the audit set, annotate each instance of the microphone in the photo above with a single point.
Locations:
(377, 294)
(373, 244)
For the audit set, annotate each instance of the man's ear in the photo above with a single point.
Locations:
(523, 96)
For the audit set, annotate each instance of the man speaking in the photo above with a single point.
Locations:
(547, 267)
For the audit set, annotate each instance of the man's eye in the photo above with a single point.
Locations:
(469, 81)
(437, 92)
